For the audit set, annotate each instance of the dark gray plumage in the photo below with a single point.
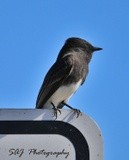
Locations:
(67, 73)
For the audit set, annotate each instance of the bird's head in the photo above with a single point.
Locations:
(75, 44)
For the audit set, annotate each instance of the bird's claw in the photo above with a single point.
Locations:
(76, 111)
(55, 110)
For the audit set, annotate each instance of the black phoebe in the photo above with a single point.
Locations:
(66, 75)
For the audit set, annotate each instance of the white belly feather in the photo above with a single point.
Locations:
(63, 93)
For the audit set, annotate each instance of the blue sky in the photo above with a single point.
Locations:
(31, 34)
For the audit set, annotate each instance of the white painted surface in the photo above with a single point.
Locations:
(84, 123)
(37, 147)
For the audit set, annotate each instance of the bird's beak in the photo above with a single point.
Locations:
(97, 49)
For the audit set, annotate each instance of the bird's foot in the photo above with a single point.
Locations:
(77, 111)
(55, 110)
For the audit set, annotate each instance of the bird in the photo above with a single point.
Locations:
(66, 75)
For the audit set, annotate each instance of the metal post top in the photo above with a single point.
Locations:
(79, 133)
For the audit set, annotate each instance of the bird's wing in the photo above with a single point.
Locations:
(55, 77)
